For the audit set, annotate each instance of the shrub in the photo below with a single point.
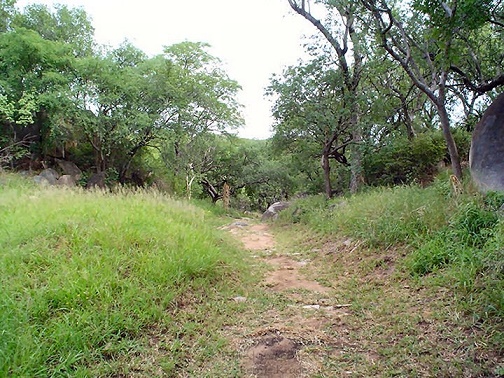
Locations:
(403, 161)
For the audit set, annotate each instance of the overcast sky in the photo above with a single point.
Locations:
(254, 38)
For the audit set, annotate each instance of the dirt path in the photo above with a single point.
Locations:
(334, 308)
(287, 339)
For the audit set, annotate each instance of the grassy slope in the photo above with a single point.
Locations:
(95, 284)
(423, 269)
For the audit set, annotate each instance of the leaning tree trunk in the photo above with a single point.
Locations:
(326, 167)
(450, 142)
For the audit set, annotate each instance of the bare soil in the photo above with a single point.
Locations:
(277, 347)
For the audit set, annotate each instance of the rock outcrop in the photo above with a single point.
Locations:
(47, 177)
(67, 180)
(274, 209)
(97, 181)
(69, 168)
(486, 158)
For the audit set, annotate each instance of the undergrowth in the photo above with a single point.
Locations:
(86, 277)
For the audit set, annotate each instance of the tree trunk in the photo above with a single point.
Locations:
(326, 167)
(357, 178)
(450, 142)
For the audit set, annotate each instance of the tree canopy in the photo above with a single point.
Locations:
(391, 90)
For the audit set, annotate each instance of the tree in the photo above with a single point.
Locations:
(203, 101)
(37, 57)
(71, 26)
(118, 106)
(7, 12)
(349, 59)
(34, 85)
(425, 41)
(310, 109)
(256, 178)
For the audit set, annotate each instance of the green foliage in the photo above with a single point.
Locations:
(382, 217)
(469, 14)
(305, 210)
(463, 141)
(312, 115)
(474, 225)
(96, 272)
(402, 161)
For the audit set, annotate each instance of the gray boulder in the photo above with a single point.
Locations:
(69, 168)
(274, 209)
(97, 181)
(47, 177)
(41, 180)
(486, 157)
(67, 180)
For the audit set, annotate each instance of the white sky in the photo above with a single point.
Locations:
(254, 38)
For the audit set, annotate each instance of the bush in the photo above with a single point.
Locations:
(403, 161)
(473, 225)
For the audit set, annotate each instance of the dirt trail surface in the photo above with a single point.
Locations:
(280, 344)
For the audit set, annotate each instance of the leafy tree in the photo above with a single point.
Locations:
(71, 26)
(202, 101)
(310, 111)
(33, 85)
(349, 50)
(256, 178)
(426, 42)
(117, 107)
(7, 12)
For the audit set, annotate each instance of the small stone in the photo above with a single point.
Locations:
(240, 224)
(240, 299)
(312, 307)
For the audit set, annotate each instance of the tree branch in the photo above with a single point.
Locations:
(496, 82)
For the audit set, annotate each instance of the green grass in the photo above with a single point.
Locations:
(89, 279)
(380, 217)
(438, 240)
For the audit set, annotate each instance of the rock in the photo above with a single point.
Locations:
(240, 299)
(96, 181)
(338, 205)
(486, 157)
(274, 209)
(67, 180)
(41, 180)
(50, 175)
(240, 224)
(69, 168)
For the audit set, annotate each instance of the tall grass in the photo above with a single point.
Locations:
(83, 274)
(380, 217)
